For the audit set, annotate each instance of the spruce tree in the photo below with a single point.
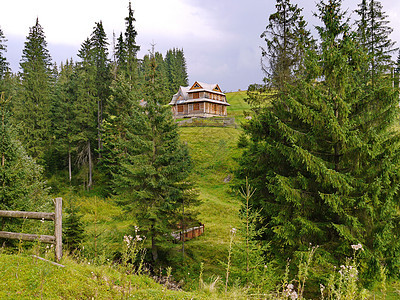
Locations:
(324, 165)
(99, 52)
(176, 69)
(64, 125)
(21, 183)
(86, 110)
(130, 43)
(284, 36)
(120, 52)
(151, 180)
(373, 34)
(34, 106)
(4, 66)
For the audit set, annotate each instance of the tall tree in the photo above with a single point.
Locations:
(4, 65)
(21, 183)
(99, 51)
(86, 109)
(325, 167)
(130, 44)
(33, 109)
(151, 177)
(64, 116)
(373, 34)
(176, 70)
(284, 36)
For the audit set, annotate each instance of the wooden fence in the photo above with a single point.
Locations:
(189, 233)
(50, 239)
(208, 122)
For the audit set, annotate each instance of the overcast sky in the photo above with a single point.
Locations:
(220, 38)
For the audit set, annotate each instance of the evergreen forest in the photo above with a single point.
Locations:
(299, 199)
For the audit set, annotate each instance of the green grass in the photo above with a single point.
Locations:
(237, 105)
(25, 277)
(213, 150)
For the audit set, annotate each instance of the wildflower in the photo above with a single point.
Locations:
(290, 287)
(138, 238)
(42, 220)
(233, 230)
(321, 287)
(357, 247)
(293, 295)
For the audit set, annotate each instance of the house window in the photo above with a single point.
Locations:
(195, 95)
(196, 106)
(180, 108)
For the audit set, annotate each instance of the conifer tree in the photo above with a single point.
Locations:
(151, 177)
(373, 34)
(130, 44)
(285, 36)
(120, 52)
(64, 116)
(33, 109)
(176, 70)
(99, 51)
(4, 66)
(325, 167)
(21, 183)
(73, 229)
(86, 109)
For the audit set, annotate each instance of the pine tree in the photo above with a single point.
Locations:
(73, 229)
(373, 34)
(86, 110)
(323, 165)
(21, 183)
(130, 44)
(99, 52)
(176, 70)
(4, 66)
(151, 177)
(33, 109)
(64, 116)
(285, 36)
(120, 52)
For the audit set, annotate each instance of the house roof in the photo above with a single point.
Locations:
(209, 87)
(182, 96)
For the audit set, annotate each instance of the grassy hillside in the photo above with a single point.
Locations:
(25, 277)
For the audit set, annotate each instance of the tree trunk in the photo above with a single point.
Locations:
(69, 164)
(90, 165)
(154, 249)
(99, 121)
(183, 229)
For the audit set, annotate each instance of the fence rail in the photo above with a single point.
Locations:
(50, 239)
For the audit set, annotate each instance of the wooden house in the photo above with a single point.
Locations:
(199, 100)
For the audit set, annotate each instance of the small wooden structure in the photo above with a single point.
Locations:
(189, 233)
(50, 239)
(199, 100)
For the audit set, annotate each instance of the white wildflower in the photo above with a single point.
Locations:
(357, 247)
(233, 230)
(293, 295)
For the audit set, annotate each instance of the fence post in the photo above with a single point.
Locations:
(58, 228)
